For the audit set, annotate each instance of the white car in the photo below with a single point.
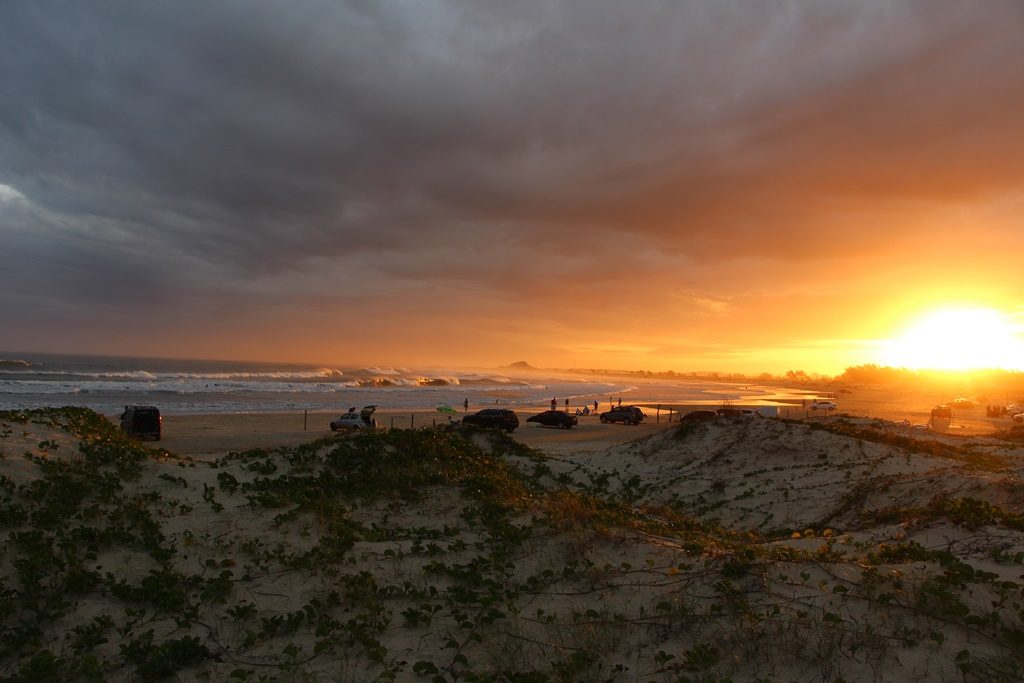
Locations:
(353, 421)
(824, 405)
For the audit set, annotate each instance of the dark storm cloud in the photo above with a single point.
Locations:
(205, 142)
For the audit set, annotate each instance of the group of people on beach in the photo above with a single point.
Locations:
(996, 411)
(586, 410)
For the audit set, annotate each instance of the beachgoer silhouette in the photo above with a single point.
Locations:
(465, 405)
(554, 404)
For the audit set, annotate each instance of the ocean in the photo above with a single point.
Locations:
(107, 384)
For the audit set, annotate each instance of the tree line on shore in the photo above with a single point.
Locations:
(869, 373)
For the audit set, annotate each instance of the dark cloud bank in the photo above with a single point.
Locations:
(194, 153)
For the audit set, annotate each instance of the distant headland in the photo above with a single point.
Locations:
(518, 365)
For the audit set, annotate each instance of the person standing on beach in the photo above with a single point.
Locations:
(595, 406)
(465, 405)
(554, 404)
(567, 405)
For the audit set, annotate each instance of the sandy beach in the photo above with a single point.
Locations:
(216, 434)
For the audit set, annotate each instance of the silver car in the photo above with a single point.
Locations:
(353, 421)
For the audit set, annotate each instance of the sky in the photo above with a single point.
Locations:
(688, 185)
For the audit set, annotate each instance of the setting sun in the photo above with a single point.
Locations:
(957, 339)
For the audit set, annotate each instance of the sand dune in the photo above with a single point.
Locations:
(741, 550)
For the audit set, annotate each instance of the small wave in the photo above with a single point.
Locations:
(136, 374)
(378, 382)
(438, 381)
(374, 370)
(14, 363)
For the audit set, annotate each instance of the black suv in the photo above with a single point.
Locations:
(493, 417)
(142, 422)
(630, 415)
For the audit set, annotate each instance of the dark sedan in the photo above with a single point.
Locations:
(493, 417)
(554, 418)
(699, 416)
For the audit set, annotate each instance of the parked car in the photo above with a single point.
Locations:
(493, 417)
(749, 413)
(630, 415)
(142, 422)
(699, 416)
(354, 422)
(729, 412)
(554, 418)
(824, 405)
(962, 403)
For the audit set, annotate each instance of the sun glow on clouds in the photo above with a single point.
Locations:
(957, 339)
